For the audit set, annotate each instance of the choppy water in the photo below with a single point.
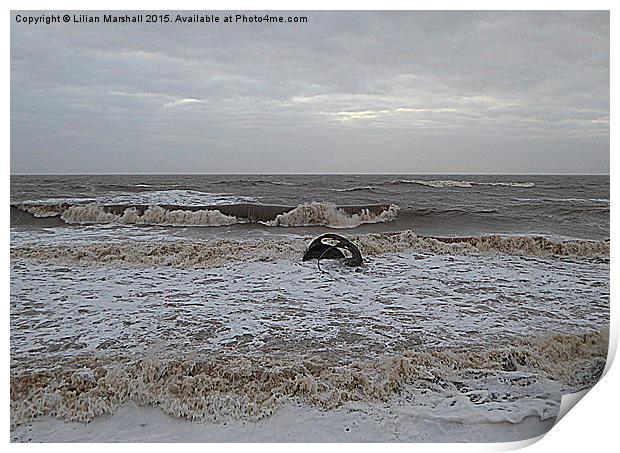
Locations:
(481, 297)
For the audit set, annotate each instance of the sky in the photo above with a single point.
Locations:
(345, 92)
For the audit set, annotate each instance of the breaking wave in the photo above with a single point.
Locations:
(217, 388)
(328, 214)
(463, 184)
(153, 215)
(309, 214)
(220, 252)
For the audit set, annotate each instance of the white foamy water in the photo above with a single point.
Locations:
(397, 301)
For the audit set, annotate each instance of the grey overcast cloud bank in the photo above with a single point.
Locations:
(346, 92)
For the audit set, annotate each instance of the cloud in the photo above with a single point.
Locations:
(379, 88)
(184, 101)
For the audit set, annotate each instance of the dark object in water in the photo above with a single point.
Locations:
(333, 246)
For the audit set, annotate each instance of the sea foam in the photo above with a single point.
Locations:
(215, 253)
(220, 388)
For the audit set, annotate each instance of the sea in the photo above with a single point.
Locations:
(481, 298)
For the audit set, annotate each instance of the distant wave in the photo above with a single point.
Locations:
(567, 200)
(308, 214)
(150, 197)
(282, 183)
(354, 189)
(449, 212)
(463, 184)
(255, 182)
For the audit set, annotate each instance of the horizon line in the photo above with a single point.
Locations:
(308, 173)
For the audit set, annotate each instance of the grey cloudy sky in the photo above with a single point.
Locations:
(381, 92)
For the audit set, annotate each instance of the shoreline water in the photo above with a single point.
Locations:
(291, 423)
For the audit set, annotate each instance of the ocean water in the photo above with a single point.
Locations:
(481, 298)
(553, 206)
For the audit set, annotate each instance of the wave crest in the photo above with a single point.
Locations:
(43, 210)
(328, 214)
(153, 215)
(355, 189)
